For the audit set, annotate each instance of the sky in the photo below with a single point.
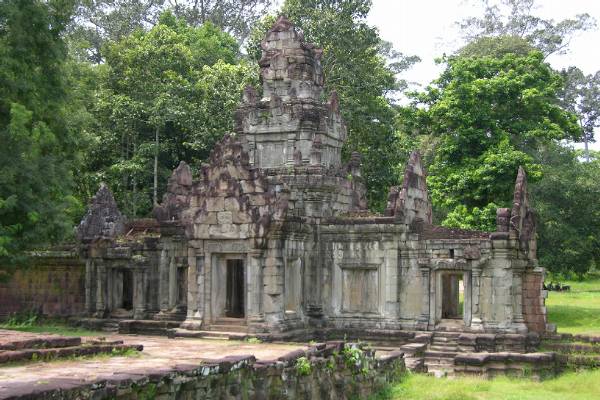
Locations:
(427, 28)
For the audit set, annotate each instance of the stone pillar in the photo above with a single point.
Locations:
(139, 294)
(517, 294)
(476, 322)
(425, 303)
(195, 297)
(100, 289)
(172, 283)
(89, 275)
(163, 280)
(254, 279)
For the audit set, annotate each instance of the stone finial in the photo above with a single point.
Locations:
(354, 164)
(502, 219)
(411, 201)
(103, 218)
(289, 67)
(522, 222)
(281, 25)
(316, 151)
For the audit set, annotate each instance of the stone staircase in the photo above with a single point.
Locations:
(222, 329)
(439, 357)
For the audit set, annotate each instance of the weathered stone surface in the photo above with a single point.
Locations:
(273, 236)
(103, 218)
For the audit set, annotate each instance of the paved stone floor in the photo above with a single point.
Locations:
(160, 353)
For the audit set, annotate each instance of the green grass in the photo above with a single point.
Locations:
(569, 386)
(577, 311)
(55, 328)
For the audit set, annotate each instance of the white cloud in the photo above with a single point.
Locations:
(427, 28)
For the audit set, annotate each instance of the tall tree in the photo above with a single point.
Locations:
(489, 116)
(581, 95)
(566, 201)
(516, 18)
(362, 69)
(38, 150)
(99, 21)
(166, 95)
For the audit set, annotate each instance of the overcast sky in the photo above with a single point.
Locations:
(427, 28)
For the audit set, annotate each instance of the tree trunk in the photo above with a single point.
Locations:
(155, 193)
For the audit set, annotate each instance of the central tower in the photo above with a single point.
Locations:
(290, 123)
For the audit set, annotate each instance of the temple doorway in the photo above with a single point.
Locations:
(453, 296)
(127, 294)
(234, 300)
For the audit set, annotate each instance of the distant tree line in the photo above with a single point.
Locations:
(120, 91)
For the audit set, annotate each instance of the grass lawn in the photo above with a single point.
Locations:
(577, 311)
(569, 386)
(52, 327)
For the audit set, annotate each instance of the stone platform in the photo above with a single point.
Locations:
(18, 347)
(171, 368)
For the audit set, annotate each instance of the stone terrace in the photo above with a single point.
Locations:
(159, 354)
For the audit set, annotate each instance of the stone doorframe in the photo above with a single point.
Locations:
(219, 281)
(104, 296)
(437, 295)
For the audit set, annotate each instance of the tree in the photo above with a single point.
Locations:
(100, 21)
(515, 18)
(581, 95)
(166, 95)
(489, 115)
(566, 202)
(38, 149)
(362, 69)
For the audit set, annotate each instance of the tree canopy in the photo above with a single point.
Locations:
(38, 149)
(164, 95)
(488, 116)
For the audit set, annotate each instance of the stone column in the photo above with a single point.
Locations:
(476, 322)
(517, 284)
(172, 282)
(139, 294)
(163, 280)
(425, 285)
(195, 297)
(100, 289)
(89, 274)
(254, 298)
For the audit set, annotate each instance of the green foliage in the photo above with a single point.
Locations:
(99, 22)
(581, 95)
(489, 116)
(303, 366)
(39, 149)
(165, 95)
(566, 201)
(362, 69)
(21, 320)
(355, 360)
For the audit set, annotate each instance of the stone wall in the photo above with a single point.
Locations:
(324, 371)
(534, 309)
(53, 285)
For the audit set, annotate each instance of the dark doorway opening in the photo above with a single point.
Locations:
(127, 298)
(452, 296)
(182, 286)
(234, 305)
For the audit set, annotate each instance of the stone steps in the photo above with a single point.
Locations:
(439, 357)
(218, 335)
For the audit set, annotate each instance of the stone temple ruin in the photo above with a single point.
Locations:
(273, 236)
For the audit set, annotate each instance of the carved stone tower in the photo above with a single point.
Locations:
(279, 128)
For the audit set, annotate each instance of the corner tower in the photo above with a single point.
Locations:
(280, 126)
